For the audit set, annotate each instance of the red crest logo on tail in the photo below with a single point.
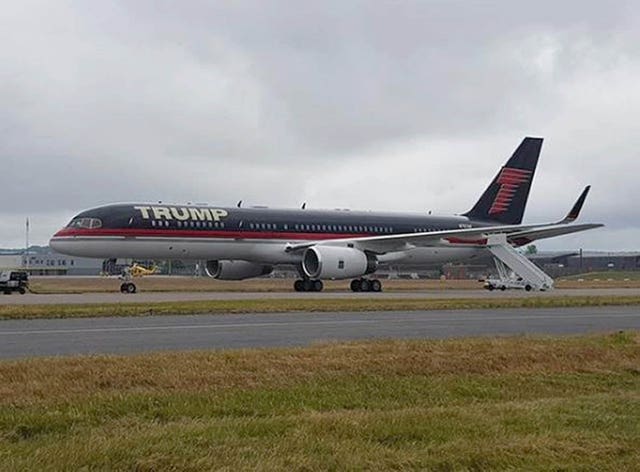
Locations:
(510, 180)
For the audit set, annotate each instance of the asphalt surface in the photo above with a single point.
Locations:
(27, 338)
(147, 297)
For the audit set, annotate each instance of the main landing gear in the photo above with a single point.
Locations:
(366, 285)
(128, 287)
(308, 285)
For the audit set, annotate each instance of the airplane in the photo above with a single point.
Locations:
(239, 242)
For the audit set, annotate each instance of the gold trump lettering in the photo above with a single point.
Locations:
(181, 213)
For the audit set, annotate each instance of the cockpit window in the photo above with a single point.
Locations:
(85, 223)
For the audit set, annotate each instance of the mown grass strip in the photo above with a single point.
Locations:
(474, 404)
(307, 305)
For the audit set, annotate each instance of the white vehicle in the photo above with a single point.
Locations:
(14, 281)
(508, 280)
(507, 284)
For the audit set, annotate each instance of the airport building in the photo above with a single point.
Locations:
(44, 261)
(571, 263)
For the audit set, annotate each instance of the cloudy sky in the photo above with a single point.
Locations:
(393, 105)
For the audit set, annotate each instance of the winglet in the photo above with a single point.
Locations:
(577, 206)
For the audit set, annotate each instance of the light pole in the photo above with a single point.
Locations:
(26, 247)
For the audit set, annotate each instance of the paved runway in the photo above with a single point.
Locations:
(25, 338)
(147, 297)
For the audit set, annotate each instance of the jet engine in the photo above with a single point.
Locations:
(332, 262)
(236, 270)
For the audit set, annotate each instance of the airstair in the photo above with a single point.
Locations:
(514, 269)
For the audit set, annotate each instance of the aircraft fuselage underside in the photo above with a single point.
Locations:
(263, 251)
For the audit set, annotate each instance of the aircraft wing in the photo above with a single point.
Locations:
(469, 236)
(518, 235)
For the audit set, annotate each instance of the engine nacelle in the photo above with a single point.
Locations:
(332, 262)
(236, 270)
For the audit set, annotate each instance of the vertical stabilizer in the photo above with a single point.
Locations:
(505, 199)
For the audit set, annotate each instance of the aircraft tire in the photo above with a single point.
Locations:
(528, 287)
(355, 285)
(503, 288)
(307, 285)
(365, 285)
(376, 286)
(298, 285)
(317, 285)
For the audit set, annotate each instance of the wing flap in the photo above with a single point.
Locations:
(525, 237)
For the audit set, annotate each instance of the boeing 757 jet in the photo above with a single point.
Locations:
(241, 243)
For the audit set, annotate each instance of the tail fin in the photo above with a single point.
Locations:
(505, 199)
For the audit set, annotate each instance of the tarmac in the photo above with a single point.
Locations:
(149, 297)
(54, 337)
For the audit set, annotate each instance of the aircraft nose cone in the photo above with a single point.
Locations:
(55, 242)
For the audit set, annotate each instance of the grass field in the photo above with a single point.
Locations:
(301, 304)
(480, 404)
(206, 284)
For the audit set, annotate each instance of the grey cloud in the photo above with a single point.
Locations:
(393, 105)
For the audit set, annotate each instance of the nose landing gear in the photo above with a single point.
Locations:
(128, 287)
